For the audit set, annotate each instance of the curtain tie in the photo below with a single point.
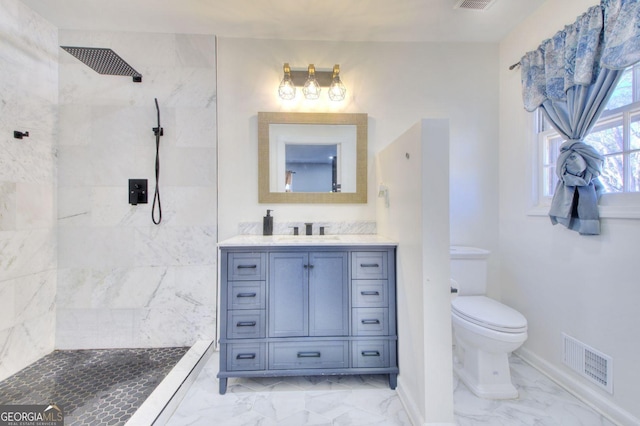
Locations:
(578, 163)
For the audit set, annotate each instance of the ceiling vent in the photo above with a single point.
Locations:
(474, 4)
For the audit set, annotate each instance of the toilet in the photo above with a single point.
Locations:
(485, 331)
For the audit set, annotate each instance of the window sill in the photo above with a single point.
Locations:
(606, 211)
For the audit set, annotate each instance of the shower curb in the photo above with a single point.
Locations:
(159, 406)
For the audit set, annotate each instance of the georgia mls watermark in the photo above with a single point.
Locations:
(31, 415)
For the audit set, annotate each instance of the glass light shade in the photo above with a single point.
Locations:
(311, 88)
(287, 90)
(337, 91)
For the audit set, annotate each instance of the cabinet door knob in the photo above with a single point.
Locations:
(246, 324)
(246, 295)
(370, 293)
(370, 321)
(369, 265)
(370, 353)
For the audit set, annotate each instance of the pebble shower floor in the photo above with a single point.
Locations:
(93, 387)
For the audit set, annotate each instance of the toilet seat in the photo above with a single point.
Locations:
(489, 313)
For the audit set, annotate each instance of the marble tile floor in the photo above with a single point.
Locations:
(367, 400)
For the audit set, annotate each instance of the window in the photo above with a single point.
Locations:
(616, 136)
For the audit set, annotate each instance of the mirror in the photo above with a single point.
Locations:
(312, 157)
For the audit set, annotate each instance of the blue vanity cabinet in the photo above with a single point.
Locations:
(307, 310)
(308, 294)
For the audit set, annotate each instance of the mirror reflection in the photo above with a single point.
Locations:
(311, 168)
(312, 157)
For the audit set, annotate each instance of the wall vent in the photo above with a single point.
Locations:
(474, 4)
(588, 362)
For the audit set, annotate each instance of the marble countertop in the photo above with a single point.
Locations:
(308, 240)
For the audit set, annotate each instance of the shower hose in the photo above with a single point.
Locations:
(156, 196)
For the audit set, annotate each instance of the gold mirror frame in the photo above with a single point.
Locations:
(264, 192)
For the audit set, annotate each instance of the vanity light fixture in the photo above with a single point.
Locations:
(337, 89)
(287, 89)
(311, 89)
(311, 81)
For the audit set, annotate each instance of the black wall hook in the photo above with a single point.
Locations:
(19, 135)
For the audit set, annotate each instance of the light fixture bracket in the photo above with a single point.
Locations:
(324, 76)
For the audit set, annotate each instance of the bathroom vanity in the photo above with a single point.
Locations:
(307, 305)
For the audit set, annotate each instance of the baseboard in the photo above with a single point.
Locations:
(411, 407)
(409, 404)
(602, 405)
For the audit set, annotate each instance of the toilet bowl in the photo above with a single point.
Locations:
(485, 330)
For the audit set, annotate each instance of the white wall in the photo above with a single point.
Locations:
(585, 286)
(123, 281)
(416, 219)
(397, 84)
(28, 98)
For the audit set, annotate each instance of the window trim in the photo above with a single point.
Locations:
(624, 205)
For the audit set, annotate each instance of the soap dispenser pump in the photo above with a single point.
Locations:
(267, 224)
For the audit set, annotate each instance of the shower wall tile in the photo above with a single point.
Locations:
(188, 205)
(179, 246)
(35, 205)
(76, 293)
(74, 125)
(123, 281)
(195, 51)
(93, 247)
(25, 343)
(189, 167)
(7, 296)
(34, 296)
(156, 324)
(28, 262)
(74, 206)
(7, 206)
(194, 127)
(27, 252)
(77, 329)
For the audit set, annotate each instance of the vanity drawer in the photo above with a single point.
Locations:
(246, 295)
(370, 353)
(369, 265)
(246, 356)
(370, 321)
(321, 354)
(246, 266)
(370, 293)
(246, 324)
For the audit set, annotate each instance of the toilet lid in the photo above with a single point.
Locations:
(489, 313)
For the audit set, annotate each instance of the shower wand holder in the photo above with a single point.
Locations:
(155, 131)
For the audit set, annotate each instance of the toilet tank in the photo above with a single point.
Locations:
(469, 269)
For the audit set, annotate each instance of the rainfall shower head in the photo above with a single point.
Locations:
(104, 61)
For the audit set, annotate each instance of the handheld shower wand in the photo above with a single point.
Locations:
(158, 131)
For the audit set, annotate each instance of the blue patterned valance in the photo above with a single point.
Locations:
(605, 36)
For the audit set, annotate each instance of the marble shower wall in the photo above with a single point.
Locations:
(123, 281)
(28, 99)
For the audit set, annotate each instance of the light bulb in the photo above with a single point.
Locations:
(311, 89)
(287, 90)
(337, 90)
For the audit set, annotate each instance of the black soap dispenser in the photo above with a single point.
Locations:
(267, 224)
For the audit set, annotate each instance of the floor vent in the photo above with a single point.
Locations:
(474, 4)
(588, 362)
